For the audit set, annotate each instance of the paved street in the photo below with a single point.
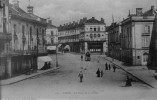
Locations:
(64, 84)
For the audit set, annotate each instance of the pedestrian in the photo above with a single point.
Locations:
(101, 73)
(128, 82)
(114, 68)
(81, 76)
(98, 73)
(109, 67)
(106, 66)
(81, 57)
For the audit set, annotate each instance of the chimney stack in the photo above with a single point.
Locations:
(102, 20)
(152, 8)
(30, 9)
(139, 11)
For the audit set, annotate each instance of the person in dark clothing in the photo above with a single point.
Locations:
(109, 67)
(106, 66)
(81, 57)
(114, 68)
(128, 81)
(101, 73)
(80, 76)
(98, 73)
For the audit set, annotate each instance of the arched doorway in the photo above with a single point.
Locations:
(145, 58)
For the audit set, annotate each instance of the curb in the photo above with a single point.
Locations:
(130, 73)
(42, 73)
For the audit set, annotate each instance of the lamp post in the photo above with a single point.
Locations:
(56, 48)
(56, 56)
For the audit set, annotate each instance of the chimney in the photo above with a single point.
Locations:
(50, 22)
(16, 3)
(139, 11)
(30, 9)
(84, 19)
(102, 20)
(93, 17)
(152, 9)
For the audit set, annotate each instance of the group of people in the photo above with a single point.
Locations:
(99, 73)
(46, 66)
(108, 67)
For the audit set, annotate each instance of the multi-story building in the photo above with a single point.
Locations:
(84, 35)
(135, 37)
(5, 38)
(51, 34)
(28, 33)
(114, 40)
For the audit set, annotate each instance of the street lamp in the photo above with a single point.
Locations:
(56, 56)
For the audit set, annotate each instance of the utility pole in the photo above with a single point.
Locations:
(56, 57)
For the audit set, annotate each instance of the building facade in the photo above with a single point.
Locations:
(28, 35)
(51, 34)
(114, 40)
(135, 37)
(5, 38)
(84, 35)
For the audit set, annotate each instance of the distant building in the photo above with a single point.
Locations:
(135, 37)
(5, 39)
(84, 35)
(51, 34)
(28, 33)
(114, 40)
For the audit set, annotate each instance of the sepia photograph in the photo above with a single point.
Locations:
(78, 49)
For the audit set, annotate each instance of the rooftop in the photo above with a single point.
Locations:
(80, 23)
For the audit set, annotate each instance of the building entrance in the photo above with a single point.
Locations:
(95, 47)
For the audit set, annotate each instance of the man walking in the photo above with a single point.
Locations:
(81, 76)
(114, 68)
(106, 66)
(81, 57)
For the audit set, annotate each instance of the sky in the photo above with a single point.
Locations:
(65, 11)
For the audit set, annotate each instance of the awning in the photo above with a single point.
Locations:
(51, 48)
(67, 47)
(42, 60)
(59, 45)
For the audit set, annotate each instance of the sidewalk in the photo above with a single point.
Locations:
(24, 77)
(141, 72)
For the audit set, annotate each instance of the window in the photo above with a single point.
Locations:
(94, 35)
(98, 28)
(138, 57)
(145, 41)
(91, 28)
(147, 29)
(23, 29)
(91, 36)
(52, 33)
(98, 35)
(95, 29)
(14, 28)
